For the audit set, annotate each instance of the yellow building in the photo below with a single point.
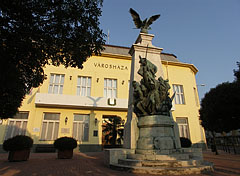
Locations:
(74, 102)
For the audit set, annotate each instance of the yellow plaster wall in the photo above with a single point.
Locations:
(69, 113)
(91, 69)
(183, 75)
(186, 77)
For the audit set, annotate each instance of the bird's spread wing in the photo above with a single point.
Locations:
(152, 19)
(136, 18)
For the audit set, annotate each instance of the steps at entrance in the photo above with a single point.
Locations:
(173, 164)
(167, 163)
(162, 170)
(177, 156)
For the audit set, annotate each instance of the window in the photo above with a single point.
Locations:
(17, 125)
(179, 94)
(81, 127)
(56, 84)
(196, 96)
(110, 88)
(50, 126)
(183, 127)
(84, 86)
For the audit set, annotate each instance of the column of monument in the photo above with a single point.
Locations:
(143, 47)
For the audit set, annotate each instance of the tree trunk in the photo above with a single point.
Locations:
(114, 135)
(214, 143)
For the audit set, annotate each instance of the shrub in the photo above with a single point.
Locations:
(185, 142)
(65, 143)
(16, 143)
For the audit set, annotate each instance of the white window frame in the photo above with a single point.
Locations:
(12, 126)
(179, 94)
(44, 138)
(109, 86)
(82, 133)
(183, 127)
(84, 88)
(53, 82)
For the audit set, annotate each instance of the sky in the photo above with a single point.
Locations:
(205, 33)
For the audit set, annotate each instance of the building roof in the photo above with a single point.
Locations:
(120, 50)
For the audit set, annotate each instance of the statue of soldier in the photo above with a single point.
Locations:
(138, 99)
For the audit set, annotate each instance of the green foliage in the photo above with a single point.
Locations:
(185, 142)
(65, 143)
(113, 130)
(16, 143)
(35, 33)
(220, 108)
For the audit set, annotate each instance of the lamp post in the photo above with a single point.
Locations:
(197, 93)
(201, 85)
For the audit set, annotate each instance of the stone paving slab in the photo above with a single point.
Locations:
(91, 164)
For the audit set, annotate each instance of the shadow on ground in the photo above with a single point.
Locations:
(91, 164)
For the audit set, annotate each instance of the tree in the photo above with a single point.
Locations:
(219, 110)
(237, 73)
(113, 130)
(36, 33)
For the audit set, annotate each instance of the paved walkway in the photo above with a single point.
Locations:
(91, 164)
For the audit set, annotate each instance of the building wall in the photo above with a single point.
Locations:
(183, 75)
(112, 66)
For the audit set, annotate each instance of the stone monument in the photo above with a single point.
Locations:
(151, 137)
(143, 25)
(158, 132)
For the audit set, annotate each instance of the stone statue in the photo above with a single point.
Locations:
(138, 99)
(143, 25)
(151, 96)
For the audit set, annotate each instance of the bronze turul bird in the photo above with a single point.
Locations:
(143, 25)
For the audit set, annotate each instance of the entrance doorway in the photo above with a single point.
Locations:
(112, 131)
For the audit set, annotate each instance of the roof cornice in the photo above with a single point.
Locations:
(180, 64)
(116, 56)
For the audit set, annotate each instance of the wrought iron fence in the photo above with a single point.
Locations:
(230, 144)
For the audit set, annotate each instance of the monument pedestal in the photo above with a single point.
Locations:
(181, 162)
(157, 135)
(142, 47)
(158, 151)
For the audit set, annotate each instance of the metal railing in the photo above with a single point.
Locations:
(230, 144)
